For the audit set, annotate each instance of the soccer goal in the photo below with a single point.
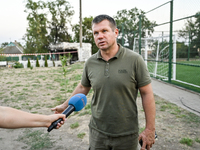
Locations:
(155, 51)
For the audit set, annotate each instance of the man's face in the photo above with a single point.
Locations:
(104, 36)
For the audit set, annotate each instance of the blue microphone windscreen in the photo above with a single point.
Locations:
(78, 101)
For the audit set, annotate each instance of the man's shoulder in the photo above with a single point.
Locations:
(92, 58)
(129, 52)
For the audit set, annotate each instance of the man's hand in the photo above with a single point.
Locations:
(148, 138)
(59, 109)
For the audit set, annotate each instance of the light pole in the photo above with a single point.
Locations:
(80, 36)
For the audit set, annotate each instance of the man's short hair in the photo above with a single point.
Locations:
(100, 18)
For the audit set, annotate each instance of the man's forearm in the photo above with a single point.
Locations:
(150, 112)
(149, 107)
(79, 89)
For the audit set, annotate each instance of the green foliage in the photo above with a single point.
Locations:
(81, 135)
(2, 58)
(18, 65)
(128, 23)
(87, 36)
(197, 140)
(61, 14)
(186, 141)
(182, 50)
(37, 63)
(54, 63)
(45, 63)
(36, 139)
(47, 24)
(36, 34)
(191, 31)
(29, 63)
(75, 125)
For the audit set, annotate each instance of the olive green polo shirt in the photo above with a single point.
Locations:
(115, 84)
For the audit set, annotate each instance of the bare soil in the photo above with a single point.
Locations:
(40, 89)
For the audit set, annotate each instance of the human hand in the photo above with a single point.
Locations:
(59, 109)
(55, 117)
(148, 138)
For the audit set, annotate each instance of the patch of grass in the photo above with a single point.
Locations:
(186, 141)
(88, 106)
(190, 117)
(62, 89)
(141, 130)
(25, 89)
(70, 90)
(9, 83)
(197, 140)
(37, 140)
(74, 125)
(77, 77)
(86, 112)
(15, 86)
(81, 135)
(11, 93)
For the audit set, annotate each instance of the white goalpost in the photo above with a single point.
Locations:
(155, 51)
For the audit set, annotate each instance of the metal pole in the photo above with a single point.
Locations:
(122, 34)
(80, 25)
(189, 47)
(140, 28)
(170, 41)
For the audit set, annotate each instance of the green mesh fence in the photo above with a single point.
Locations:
(172, 50)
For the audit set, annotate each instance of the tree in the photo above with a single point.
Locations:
(36, 36)
(29, 63)
(37, 63)
(41, 31)
(191, 31)
(128, 21)
(46, 63)
(87, 36)
(61, 13)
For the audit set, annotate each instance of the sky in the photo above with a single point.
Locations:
(13, 21)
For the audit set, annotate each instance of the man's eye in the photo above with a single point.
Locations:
(95, 33)
(104, 30)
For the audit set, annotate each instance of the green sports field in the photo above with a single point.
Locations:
(187, 73)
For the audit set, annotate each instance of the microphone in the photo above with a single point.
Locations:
(76, 103)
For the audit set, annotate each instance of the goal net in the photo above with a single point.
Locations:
(155, 51)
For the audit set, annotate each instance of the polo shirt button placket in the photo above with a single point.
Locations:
(107, 69)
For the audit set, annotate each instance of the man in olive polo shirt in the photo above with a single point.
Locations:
(115, 75)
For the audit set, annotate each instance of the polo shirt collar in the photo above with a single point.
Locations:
(116, 56)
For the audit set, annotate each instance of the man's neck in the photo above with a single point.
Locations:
(110, 53)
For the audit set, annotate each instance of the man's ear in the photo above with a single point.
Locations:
(116, 32)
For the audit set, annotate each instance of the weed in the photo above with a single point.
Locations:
(81, 135)
(186, 141)
(36, 139)
(88, 106)
(86, 112)
(75, 125)
(197, 140)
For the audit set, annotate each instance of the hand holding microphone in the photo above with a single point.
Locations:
(76, 103)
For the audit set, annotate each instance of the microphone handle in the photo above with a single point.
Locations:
(67, 112)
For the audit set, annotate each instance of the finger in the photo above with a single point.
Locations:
(54, 109)
(148, 147)
(58, 126)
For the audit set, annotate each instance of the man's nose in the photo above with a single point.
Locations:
(100, 35)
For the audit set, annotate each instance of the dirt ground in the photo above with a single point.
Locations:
(40, 89)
